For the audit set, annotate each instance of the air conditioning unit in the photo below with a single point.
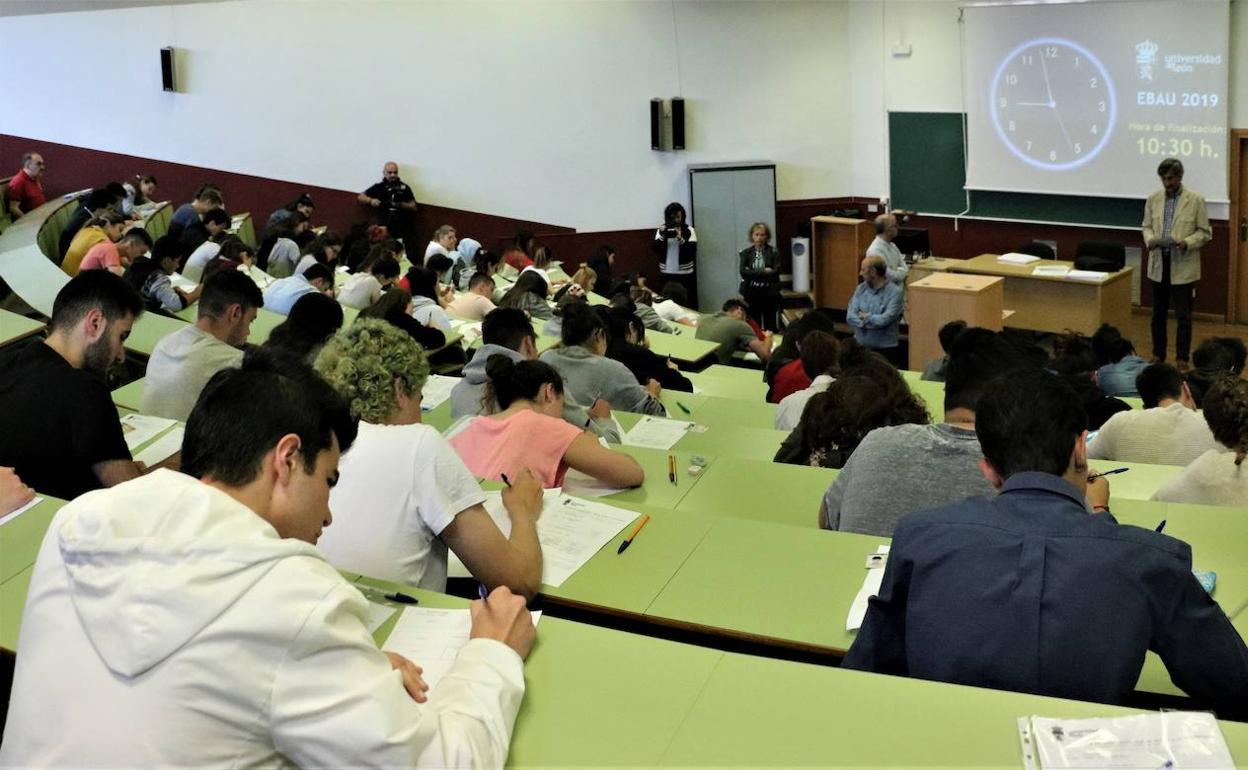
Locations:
(799, 248)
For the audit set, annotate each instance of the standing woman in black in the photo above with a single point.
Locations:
(760, 277)
(676, 246)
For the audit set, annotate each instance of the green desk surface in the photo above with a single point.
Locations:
(149, 329)
(130, 395)
(720, 439)
(658, 491)
(933, 395)
(730, 382)
(12, 602)
(630, 581)
(759, 712)
(14, 327)
(439, 418)
(682, 347)
(1139, 483)
(20, 538)
(594, 697)
(775, 493)
(787, 585)
(719, 411)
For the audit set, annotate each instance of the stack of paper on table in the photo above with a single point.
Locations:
(432, 638)
(1014, 258)
(1175, 739)
(876, 563)
(570, 531)
(436, 391)
(139, 429)
(182, 282)
(656, 433)
(1053, 270)
(163, 448)
(1092, 276)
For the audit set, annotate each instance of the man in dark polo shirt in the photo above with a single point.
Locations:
(61, 431)
(395, 203)
(25, 190)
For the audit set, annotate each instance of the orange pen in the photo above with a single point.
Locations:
(629, 540)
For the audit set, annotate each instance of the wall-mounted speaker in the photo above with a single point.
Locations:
(167, 69)
(678, 123)
(656, 124)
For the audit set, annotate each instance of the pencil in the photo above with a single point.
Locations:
(671, 468)
(645, 517)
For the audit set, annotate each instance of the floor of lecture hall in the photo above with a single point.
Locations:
(1138, 332)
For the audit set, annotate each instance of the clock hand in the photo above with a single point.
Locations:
(1033, 104)
(1048, 89)
(1062, 125)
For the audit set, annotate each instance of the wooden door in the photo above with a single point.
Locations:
(1237, 286)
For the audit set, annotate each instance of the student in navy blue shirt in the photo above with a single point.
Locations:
(1038, 589)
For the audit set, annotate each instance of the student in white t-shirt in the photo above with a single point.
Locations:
(1217, 477)
(403, 495)
(362, 289)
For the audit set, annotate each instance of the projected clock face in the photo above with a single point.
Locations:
(1053, 104)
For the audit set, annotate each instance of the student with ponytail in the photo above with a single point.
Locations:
(1217, 477)
(528, 431)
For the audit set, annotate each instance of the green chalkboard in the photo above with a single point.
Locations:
(927, 172)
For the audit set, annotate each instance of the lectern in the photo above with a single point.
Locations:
(940, 298)
(837, 247)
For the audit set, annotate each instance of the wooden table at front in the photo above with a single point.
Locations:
(1047, 303)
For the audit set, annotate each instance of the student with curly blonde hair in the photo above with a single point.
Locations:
(1217, 477)
(403, 495)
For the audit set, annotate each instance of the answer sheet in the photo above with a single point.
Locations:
(570, 530)
(870, 587)
(436, 391)
(141, 428)
(656, 433)
(432, 638)
(1174, 739)
(162, 448)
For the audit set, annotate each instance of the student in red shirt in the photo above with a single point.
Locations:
(25, 189)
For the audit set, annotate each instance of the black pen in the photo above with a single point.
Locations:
(1108, 473)
(1162, 525)
(504, 477)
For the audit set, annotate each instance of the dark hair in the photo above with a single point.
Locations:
(392, 301)
(1170, 166)
(99, 198)
(385, 267)
(511, 380)
(1224, 354)
(580, 324)
(484, 261)
(676, 292)
(507, 327)
(1109, 346)
(1072, 355)
(117, 190)
(523, 241)
(542, 257)
(138, 234)
(479, 278)
(209, 193)
(422, 282)
(948, 334)
(303, 200)
(312, 321)
(600, 261)
(319, 270)
(978, 357)
(529, 282)
(216, 217)
(1226, 411)
(168, 247)
(1158, 381)
(137, 183)
(640, 296)
(872, 396)
(439, 263)
(670, 211)
(819, 352)
(233, 248)
(733, 304)
(242, 413)
(228, 287)
(1029, 421)
(106, 217)
(316, 247)
(111, 294)
(624, 301)
(618, 322)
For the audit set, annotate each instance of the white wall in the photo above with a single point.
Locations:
(530, 109)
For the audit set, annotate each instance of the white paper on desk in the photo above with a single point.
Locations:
(570, 530)
(581, 485)
(11, 515)
(1091, 276)
(1014, 258)
(1053, 270)
(141, 428)
(182, 282)
(656, 433)
(378, 614)
(437, 391)
(432, 638)
(1175, 739)
(162, 448)
(870, 587)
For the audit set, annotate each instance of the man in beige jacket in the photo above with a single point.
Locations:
(1176, 226)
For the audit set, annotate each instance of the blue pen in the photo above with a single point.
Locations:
(482, 591)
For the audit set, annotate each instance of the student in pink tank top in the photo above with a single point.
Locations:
(529, 432)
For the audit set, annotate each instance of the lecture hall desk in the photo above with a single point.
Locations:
(14, 327)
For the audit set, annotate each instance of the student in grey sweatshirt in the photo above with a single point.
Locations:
(588, 375)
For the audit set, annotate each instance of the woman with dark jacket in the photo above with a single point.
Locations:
(395, 306)
(675, 245)
(601, 263)
(759, 265)
(626, 336)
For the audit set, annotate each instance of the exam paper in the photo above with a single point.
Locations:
(141, 428)
(432, 638)
(656, 433)
(436, 391)
(1091, 276)
(870, 587)
(182, 282)
(1014, 258)
(581, 485)
(570, 530)
(378, 614)
(11, 515)
(1174, 739)
(162, 448)
(1056, 270)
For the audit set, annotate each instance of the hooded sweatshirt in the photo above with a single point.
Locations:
(180, 366)
(169, 625)
(467, 393)
(424, 310)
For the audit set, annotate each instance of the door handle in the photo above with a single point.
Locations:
(1243, 229)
